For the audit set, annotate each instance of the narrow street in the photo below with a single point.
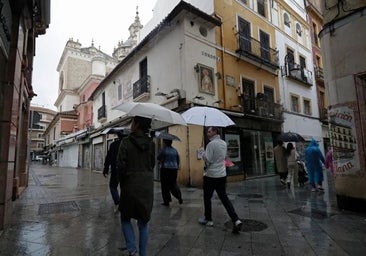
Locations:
(70, 212)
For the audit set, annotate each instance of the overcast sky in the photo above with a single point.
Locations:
(105, 22)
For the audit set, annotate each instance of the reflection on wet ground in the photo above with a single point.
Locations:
(70, 212)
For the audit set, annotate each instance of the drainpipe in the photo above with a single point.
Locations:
(222, 60)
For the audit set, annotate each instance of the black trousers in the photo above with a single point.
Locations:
(219, 185)
(168, 180)
(283, 175)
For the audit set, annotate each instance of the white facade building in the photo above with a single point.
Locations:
(171, 52)
(296, 78)
(161, 69)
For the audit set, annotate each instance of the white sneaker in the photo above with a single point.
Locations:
(207, 223)
(237, 226)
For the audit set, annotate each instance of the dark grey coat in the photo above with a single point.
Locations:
(135, 163)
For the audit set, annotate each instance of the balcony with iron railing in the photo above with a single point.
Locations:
(141, 89)
(323, 113)
(262, 108)
(102, 114)
(253, 49)
(297, 72)
(319, 74)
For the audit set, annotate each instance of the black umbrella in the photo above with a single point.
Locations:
(290, 136)
(166, 136)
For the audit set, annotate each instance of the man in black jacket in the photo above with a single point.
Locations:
(110, 160)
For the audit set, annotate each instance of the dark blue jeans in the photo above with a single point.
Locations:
(219, 185)
(113, 187)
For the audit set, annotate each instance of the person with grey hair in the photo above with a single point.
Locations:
(135, 164)
(214, 179)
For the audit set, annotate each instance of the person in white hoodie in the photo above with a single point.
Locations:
(214, 179)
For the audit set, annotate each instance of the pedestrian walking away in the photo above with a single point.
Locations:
(314, 161)
(110, 161)
(169, 164)
(292, 166)
(281, 161)
(214, 179)
(136, 183)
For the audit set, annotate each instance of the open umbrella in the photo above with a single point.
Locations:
(115, 130)
(166, 136)
(207, 116)
(290, 136)
(161, 116)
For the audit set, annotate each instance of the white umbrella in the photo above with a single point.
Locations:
(207, 116)
(111, 130)
(161, 116)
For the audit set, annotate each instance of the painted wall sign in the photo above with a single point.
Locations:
(211, 56)
(343, 141)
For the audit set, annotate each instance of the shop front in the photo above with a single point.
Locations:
(250, 146)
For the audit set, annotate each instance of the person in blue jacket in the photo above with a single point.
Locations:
(314, 161)
(169, 164)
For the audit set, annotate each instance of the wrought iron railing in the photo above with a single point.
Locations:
(301, 74)
(319, 74)
(254, 49)
(262, 108)
(141, 87)
(102, 112)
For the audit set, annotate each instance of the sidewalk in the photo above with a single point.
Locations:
(70, 212)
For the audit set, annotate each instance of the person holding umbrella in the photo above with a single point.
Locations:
(169, 165)
(215, 179)
(135, 164)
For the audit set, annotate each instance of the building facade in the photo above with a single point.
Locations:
(296, 78)
(315, 19)
(249, 89)
(80, 71)
(343, 49)
(21, 22)
(40, 118)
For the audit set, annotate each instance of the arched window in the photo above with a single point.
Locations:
(286, 19)
(298, 29)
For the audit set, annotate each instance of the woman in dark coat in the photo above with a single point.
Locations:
(135, 163)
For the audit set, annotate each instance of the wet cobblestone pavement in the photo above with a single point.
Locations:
(70, 212)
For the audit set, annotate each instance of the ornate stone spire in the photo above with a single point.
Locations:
(123, 48)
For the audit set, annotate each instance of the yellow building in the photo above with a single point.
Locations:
(249, 85)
